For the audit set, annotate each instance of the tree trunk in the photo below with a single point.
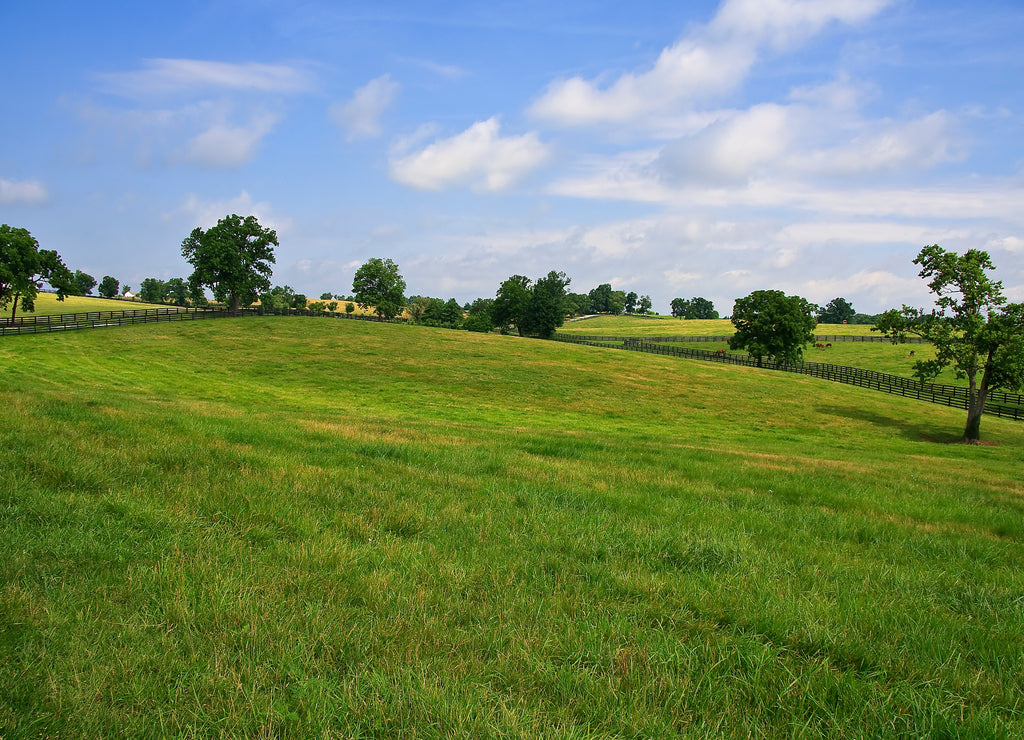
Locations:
(234, 304)
(976, 406)
(14, 307)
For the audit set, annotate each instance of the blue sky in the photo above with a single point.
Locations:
(672, 149)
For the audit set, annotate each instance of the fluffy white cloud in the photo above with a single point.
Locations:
(361, 115)
(479, 157)
(710, 61)
(223, 145)
(165, 76)
(206, 213)
(29, 192)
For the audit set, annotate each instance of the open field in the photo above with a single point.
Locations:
(662, 326)
(48, 305)
(292, 527)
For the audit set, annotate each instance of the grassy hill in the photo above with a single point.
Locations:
(48, 305)
(302, 528)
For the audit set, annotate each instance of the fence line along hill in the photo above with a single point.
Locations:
(1007, 405)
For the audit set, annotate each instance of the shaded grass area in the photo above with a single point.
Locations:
(297, 527)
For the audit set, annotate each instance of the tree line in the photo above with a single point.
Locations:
(974, 329)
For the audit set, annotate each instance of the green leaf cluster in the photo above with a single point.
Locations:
(771, 324)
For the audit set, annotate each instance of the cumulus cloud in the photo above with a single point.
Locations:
(479, 157)
(361, 115)
(165, 76)
(710, 61)
(206, 213)
(28, 192)
(224, 145)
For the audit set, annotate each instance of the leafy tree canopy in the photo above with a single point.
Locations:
(23, 269)
(546, 309)
(694, 308)
(973, 328)
(771, 324)
(511, 303)
(378, 284)
(233, 259)
(109, 286)
(837, 311)
(82, 283)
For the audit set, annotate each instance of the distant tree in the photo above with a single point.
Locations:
(126, 289)
(152, 290)
(109, 287)
(332, 306)
(546, 310)
(82, 283)
(350, 308)
(973, 330)
(644, 304)
(511, 303)
(694, 308)
(577, 304)
(771, 324)
(299, 302)
(316, 307)
(326, 296)
(23, 267)
(630, 303)
(478, 315)
(177, 291)
(417, 306)
(605, 300)
(379, 284)
(232, 258)
(452, 314)
(837, 311)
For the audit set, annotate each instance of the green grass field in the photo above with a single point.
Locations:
(48, 305)
(291, 527)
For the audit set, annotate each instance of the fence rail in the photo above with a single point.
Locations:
(700, 339)
(95, 319)
(1006, 405)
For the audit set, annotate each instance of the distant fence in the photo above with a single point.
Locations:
(1007, 405)
(699, 339)
(96, 319)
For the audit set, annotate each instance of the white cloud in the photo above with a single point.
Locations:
(710, 61)
(361, 115)
(206, 213)
(29, 192)
(223, 145)
(479, 157)
(164, 76)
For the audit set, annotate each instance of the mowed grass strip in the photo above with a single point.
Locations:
(301, 527)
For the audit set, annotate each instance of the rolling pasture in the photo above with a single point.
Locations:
(298, 527)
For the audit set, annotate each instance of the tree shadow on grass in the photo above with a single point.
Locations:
(907, 428)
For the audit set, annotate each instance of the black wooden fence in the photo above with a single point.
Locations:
(1008, 405)
(94, 319)
(701, 339)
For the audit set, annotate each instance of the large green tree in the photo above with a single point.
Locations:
(771, 324)
(109, 286)
(24, 267)
(83, 283)
(836, 311)
(379, 284)
(233, 259)
(693, 308)
(973, 329)
(152, 290)
(546, 309)
(511, 303)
